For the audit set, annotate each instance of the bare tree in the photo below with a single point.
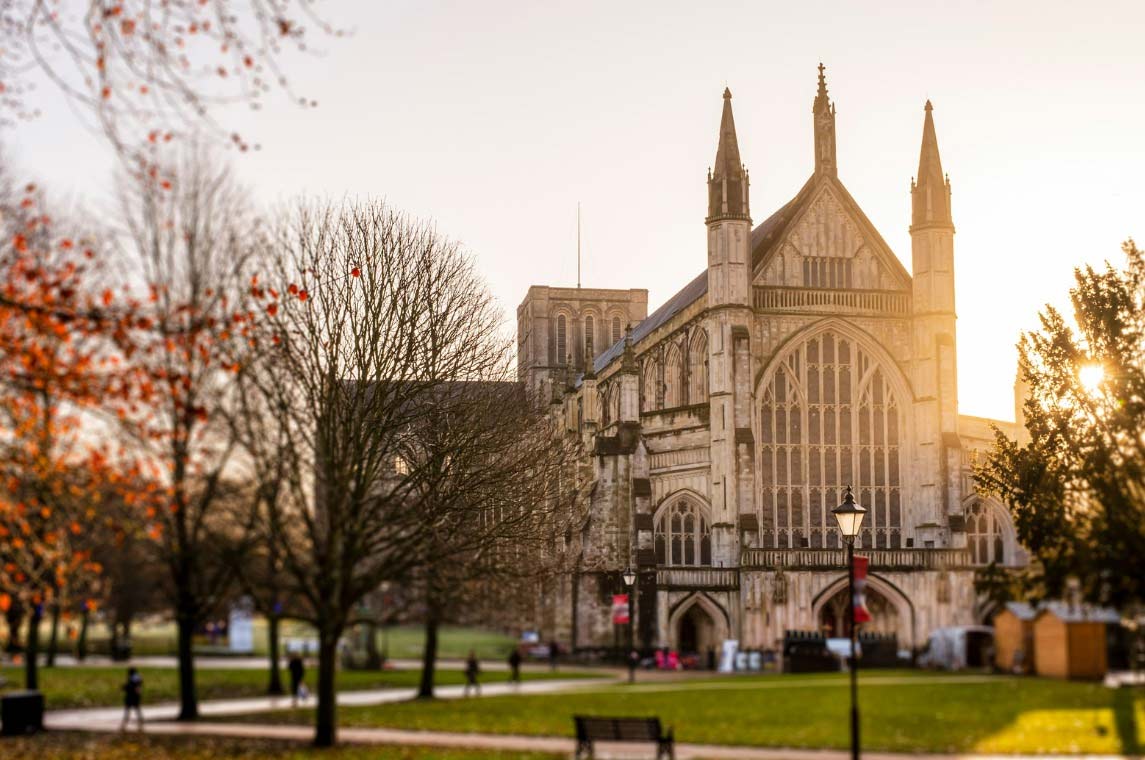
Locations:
(370, 313)
(488, 459)
(190, 241)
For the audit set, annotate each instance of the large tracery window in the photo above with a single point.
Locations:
(984, 535)
(830, 419)
(683, 534)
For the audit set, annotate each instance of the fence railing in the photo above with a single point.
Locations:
(880, 559)
(698, 577)
(813, 299)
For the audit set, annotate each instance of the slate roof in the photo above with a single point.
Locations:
(768, 231)
(1022, 610)
(1081, 613)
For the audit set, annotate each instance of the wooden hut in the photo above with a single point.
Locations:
(1014, 638)
(1070, 640)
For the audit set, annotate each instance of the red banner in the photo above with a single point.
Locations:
(619, 609)
(862, 614)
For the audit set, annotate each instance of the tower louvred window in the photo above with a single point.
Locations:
(562, 345)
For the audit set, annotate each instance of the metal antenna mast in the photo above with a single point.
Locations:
(578, 244)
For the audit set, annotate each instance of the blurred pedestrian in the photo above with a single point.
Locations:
(515, 666)
(554, 651)
(297, 672)
(132, 698)
(472, 670)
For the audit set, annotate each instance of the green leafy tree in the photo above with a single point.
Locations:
(1076, 482)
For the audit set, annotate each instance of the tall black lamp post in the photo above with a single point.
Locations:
(630, 582)
(849, 515)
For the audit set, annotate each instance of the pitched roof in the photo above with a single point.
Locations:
(763, 238)
(768, 230)
(1080, 613)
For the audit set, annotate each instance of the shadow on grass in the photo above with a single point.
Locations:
(1125, 719)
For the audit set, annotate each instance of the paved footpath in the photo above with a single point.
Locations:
(161, 721)
(108, 718)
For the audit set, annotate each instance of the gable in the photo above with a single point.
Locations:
(828, 233)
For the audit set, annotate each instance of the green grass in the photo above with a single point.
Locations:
(403, 641)
(99, 686)
(906, 712)
(78, 746)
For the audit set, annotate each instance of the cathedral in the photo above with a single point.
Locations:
(717, 433)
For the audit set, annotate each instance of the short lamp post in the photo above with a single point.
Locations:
(629, 577)
(850, 515)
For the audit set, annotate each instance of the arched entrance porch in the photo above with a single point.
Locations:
(833, 619)
(697, 625)
(891, 610)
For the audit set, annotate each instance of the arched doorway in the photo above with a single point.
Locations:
(698, 625)
(696, 631)
(833, 619)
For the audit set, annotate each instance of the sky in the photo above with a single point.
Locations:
(495, 119)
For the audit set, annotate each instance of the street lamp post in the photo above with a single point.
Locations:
(630, 583)
(849, 515)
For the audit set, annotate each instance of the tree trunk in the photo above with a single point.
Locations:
(188, 698)
(81, 642)
(325, 725)
(274, 687)
(54, 638)
(429, 656)
(32, 650)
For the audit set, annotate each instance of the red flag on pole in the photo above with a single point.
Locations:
(619, 609)
(862, 614)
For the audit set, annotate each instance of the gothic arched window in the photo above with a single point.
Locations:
(984, 535)
(829, 419)
(683, 534)
(562, 339)
(589, 342)
(649, 401)
(673, 377)
(615, 329)
(698, 367)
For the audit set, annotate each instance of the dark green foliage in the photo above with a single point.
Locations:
(1076, 483)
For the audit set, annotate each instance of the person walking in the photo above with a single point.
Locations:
(472, 670)
(297, 671)
(132, 698)
(515, 665)
(554, 651)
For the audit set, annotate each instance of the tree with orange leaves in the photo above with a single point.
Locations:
(57, 366)
(148, 71)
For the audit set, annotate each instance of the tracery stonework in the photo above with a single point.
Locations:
(717, 435)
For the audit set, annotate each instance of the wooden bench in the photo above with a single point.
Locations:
(590, 729)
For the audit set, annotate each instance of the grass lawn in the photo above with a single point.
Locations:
(99, 686)
(900, 711)
(402, 641)
(73, 746)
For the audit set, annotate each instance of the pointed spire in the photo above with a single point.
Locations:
(727, 179)
(824, 115)
(727, 154)
(931, 190)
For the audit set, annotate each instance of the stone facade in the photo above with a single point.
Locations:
(718, 432)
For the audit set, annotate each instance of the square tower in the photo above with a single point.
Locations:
(558, 327)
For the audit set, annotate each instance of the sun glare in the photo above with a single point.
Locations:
(1091, 376)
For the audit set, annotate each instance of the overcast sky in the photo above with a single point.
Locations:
(495, 119)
